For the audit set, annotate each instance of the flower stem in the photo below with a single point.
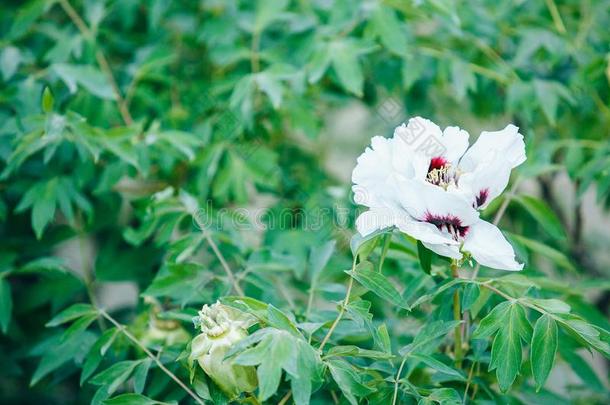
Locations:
(457, 315)
(341, 311)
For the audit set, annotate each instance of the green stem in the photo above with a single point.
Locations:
(457, 315)
(341, 311)
(154, 358)
(225, 265)
(396, 383)
(468, 382)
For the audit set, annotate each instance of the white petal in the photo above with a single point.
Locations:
(409, 162)
(424, 138)
(376, 219)
(456, 143)
(452, 251)
(489, 247)
(416, 130)
(377, 169)
(508, 142)
(423, 231)
(421, 199)
(486, 182)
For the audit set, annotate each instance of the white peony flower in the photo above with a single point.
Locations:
(430, 185)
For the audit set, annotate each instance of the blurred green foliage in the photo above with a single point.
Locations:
(127, 126)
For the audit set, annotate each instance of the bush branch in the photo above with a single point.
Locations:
(154, 358)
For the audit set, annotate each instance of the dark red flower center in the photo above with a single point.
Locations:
(482, 197)
(450, 223)
(437, 163)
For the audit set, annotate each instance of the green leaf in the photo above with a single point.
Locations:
(548, 94)
(319, 63)
(445, 396)
(318, 259)
(73, 312)
(6, 304)
(347, 66)
(425, 257)
(58, 353)
(585, 333)
(543, 214)
(362, 247)
(86, 76)
(266, 12)
(471, 294)
(140, 374)
(348, 379)
(96, 353)
(339, 351)
(462, 79)
(438, 366)
(506, 347)
(115, 375)
(429, 336)
(134, 399)
(47, 100)
(26, 17)
(10, 59)
(382, 338)
(438, 289)
(389, 29)
(551, 305)
(376, 283)
(544, 347)
(279, 320)
(80, 325)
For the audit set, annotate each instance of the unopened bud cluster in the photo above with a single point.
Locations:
(221, 328)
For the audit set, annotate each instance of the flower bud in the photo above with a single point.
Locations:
(222, 327)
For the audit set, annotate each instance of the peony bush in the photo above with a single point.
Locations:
(233, 202)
